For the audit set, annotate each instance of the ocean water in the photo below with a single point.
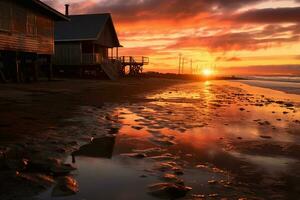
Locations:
(287, 84)
(294, 79)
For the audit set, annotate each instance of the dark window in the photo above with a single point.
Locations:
(31, 26)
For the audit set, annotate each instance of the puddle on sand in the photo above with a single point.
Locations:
(188, 136)
(106, 172)
(271, 165)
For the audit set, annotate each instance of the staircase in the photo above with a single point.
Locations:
(135, 64)
(112, 68)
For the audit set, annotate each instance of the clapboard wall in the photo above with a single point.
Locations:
(24, 29)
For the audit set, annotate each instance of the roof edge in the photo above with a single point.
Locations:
(49, 8)
(90, 14)
(76, 40)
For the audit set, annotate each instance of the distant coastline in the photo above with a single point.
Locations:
(287, 84)
(192, 77)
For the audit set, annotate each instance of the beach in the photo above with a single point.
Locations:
(290, 85)
(148, 139)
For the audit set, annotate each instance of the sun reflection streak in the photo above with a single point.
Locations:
(208, 96)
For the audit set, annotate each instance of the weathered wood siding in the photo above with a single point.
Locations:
(79, 53)
(24, 29)
(68, 53)
(107, 38)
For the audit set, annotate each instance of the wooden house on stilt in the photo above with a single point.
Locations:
(26, 39)
(88, 45)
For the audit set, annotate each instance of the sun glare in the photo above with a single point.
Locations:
(207, 72)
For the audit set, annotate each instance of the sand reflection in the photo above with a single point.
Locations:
(212, 136)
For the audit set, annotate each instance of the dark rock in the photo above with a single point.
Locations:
(35, 179)
(212, 182)
(163, 157)
(168, 190)
(259, 104)
(177, 171)
(98, 148)
(64, 169)
(213, 195)
(165, 166)
(113, 130)
(66, 186)
(266, 137)
(135, 155)
(163, 141)
(198, 196)
(289, 105)
(265, 123)
(172, 178)
(150, 150)
(137, 127)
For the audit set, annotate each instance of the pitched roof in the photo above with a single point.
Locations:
(37, 4)
(85, 28)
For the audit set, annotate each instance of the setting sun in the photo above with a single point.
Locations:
(207, 72)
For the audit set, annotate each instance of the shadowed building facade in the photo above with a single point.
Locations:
(26, 39)
(85, 44)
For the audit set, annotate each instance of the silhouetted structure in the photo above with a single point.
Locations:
(84, 44)
(88, 45)
(26, 39)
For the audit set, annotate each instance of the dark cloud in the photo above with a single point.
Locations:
(263, 70)
(233, 42)
(230, 59)
(155, 9)
(213, 25)
(270, 15)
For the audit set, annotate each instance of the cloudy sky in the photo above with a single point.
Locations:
(225, 33)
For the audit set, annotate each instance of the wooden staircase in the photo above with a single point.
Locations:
(115, 68)
(135, 64)
(112, 68)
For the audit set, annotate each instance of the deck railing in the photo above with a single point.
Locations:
(130, 59)
(89, 58)
(97, 58)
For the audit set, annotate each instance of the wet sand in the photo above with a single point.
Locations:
(160, 139)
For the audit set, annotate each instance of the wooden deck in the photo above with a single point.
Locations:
(135, 64)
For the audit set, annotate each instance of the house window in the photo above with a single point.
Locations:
(5, 17)
(31, 26)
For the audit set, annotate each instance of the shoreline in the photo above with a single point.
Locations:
(35, 130)
(285, 87)
(59, 118)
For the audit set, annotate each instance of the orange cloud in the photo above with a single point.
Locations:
(161, 29)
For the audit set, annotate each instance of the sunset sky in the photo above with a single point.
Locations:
(223, 33)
